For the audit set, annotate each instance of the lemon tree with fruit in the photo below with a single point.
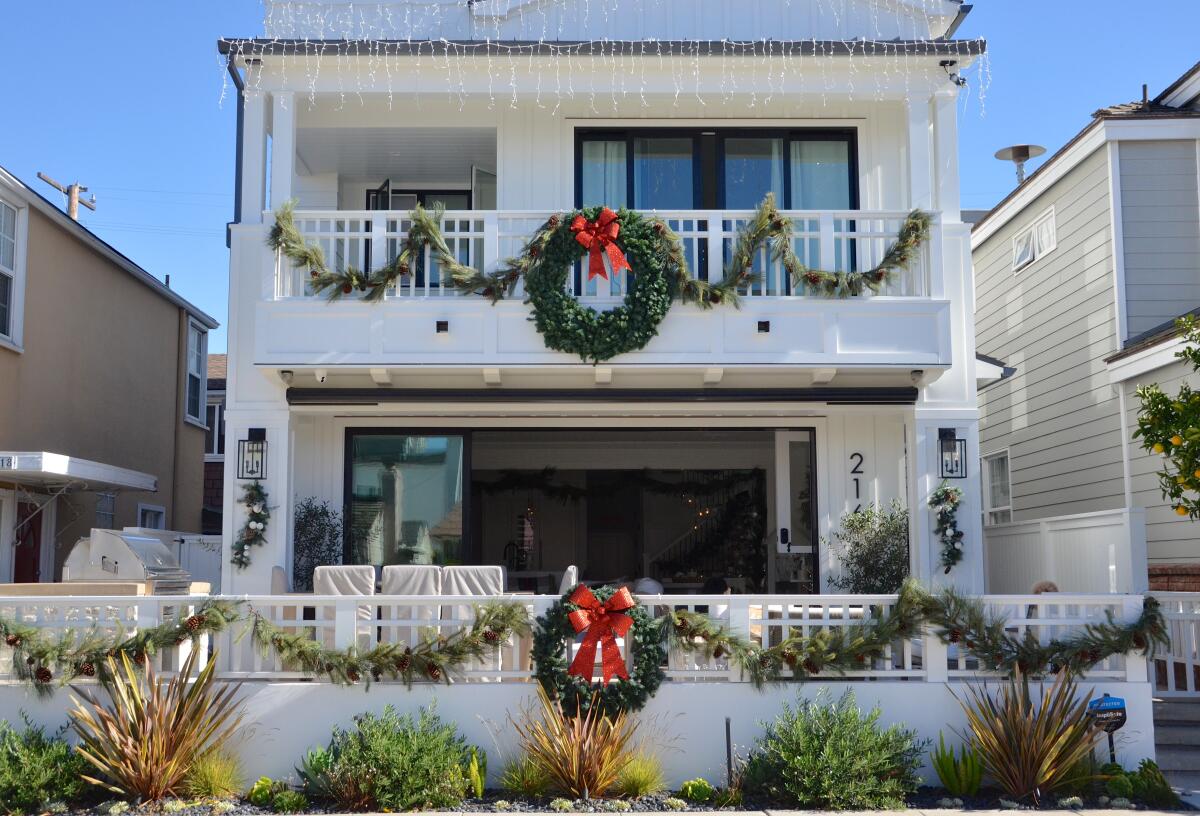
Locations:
(1170, 427)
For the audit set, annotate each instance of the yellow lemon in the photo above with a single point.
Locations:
(1197, 473)
(1181, 479)
(1177, 440)
(1158, 448)
(1181, 511)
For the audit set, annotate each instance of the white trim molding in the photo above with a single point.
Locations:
(1145, 361)
(14, 339)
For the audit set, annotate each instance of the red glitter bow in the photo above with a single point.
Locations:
(598, 237)
(604, 623)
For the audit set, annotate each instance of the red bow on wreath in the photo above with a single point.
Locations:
(600, 236)
(604, 623)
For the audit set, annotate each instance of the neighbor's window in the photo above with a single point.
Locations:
(214, 437)
(196, 369)
(152, 517)
(997, 489)
(1036, 241)
(106, 510)
(8, 266)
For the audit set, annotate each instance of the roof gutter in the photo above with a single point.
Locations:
(959, 19)
(240, 85)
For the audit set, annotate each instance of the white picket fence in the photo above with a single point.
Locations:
(1177, 673)
(340, 622)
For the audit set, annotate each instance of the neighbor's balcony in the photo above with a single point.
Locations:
(905, 324)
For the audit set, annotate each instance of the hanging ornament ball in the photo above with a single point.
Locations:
(43, 675)
(257, 507)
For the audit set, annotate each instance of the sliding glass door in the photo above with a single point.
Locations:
(405, 497)
(806, 169)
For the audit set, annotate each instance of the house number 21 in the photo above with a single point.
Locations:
(856, 472)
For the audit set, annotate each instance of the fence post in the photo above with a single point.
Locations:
(345, 622)
(739, 627)
(1136, 670)
(936, 657)
(827, 252)
(378, 241)
(490, 261)
(715, 247)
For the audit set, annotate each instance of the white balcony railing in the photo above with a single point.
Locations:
(1177, 673)
(837, 241)
(364, 621)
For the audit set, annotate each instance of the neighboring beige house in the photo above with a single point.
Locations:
(1080, 274)
(102, 390)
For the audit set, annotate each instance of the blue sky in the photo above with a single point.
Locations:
(124, 96)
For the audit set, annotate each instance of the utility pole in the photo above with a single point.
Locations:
(72, 192)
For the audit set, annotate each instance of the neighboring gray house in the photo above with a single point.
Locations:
(1079, 275)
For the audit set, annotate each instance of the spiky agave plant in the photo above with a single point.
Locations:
(143, 743)
(582, 755)
(1030, 750)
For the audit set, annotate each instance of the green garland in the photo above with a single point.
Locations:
(49, 658)
(944, 502)
(254, 531)
(958, 620)
(654, 250)
(554, 631)
(437, 657)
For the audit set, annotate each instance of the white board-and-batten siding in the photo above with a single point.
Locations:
(1160, 218)
(1054, 321)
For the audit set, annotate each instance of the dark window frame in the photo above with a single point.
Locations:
(708, 156)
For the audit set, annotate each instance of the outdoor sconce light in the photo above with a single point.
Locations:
(953, 454)
(252, 455)
(764, 327)
(442, 327)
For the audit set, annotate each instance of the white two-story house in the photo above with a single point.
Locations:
(730, 444)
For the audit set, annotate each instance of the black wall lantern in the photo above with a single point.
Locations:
(953, 454)
(252, 455)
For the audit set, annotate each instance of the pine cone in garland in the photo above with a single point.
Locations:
(194, 623)
(43, 675)
(352, 676)
(553, 221)
(810, 667)
(660, 227)
(29, 661)
(434, 672)
(718, 652)
(139, 658)
(764, 661)
(491, 636)
(789, 657)
(13, 641)
(405, 661)
(347, 288)
(1139, 641)
(87, 669)
(955, 636)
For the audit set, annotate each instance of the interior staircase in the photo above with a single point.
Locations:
(1177, 741)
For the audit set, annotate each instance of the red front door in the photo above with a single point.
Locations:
(28, 560)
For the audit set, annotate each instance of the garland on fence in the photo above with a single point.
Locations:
(645, 245)
(254, 531)
(436, 657)
(945, 501)
(49, 658)
(958, 620)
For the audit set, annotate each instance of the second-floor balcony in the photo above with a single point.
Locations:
(425, 320)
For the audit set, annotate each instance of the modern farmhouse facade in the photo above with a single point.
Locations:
(446, 429)
(1080, 275)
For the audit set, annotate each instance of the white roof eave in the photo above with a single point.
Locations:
(59, 471)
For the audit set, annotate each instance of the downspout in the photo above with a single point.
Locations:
(240, 85)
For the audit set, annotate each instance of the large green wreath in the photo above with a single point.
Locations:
(554, 631)
(567, 325)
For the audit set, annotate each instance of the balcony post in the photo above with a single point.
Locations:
(715, 246)
(828, 252)
(491, 243)
(254, 157)
(379, 243)
(283, 147)
(920, 166)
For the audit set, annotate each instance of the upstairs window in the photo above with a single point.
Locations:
(197, 353)
(8, 267)
(1038, 240)
(214, 437)
(152, 517)
(997, 489)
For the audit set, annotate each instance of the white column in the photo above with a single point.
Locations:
(920, 166)
(254, 157)
(968, 575)
(283, 147)
(256, 578)
(945, 138)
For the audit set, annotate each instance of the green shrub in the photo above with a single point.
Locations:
(1152, 788)
(675, 803)
(390, 762)
(872, 547)
(960, 775)
(697, 790)
(263, 791)
(477, 771)
(834, 757)
(561, 805)
(36, 769)
(289, 801)
(524, 777)
(215, 775)
(1119, 787)
(642, 776)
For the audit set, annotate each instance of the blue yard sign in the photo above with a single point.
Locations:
(1108, 713)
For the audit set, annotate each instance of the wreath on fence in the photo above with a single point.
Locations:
(645, 246)
(600, 615)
